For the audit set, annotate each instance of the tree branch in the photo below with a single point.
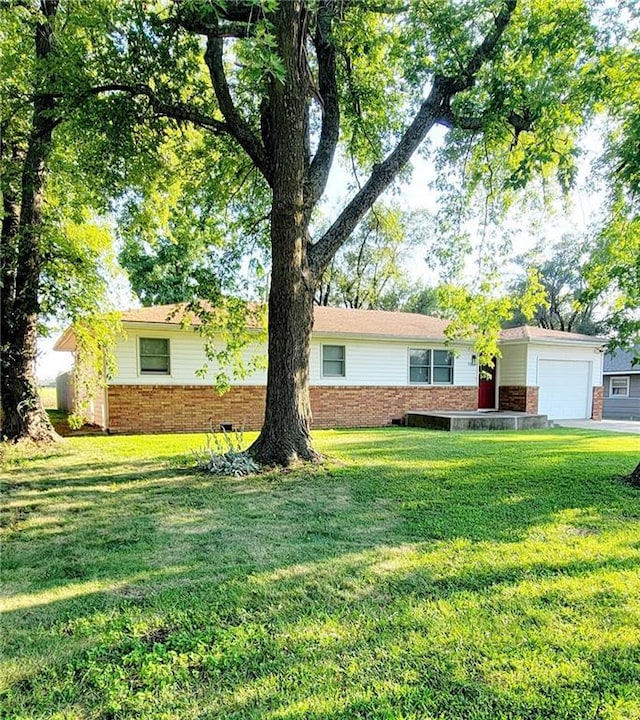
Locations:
(432, 110)
(204, 19)
(236, 125)
(381, 177)
(176, 111)
(320, 167)
(467, 77)
(520, 122)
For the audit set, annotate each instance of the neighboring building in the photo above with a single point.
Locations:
(367, 368)
(621, 380)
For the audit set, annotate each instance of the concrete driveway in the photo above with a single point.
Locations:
(623, 426)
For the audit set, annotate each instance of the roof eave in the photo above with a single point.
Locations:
(66, 342)
(372, 336)
(621, 372)
(595, 343)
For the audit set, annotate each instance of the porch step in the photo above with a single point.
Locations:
(456, 421)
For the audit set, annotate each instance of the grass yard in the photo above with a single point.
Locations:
(418, 575)
(48, 396)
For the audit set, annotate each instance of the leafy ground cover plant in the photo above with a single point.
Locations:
(224, 453)
(420, 575)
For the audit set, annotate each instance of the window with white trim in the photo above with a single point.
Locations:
(419, 366)
(442, 367)
(154, 356)
(430, 367)
(333, 360)
(619, 386)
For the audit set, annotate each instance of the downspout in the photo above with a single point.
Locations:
(105, 390)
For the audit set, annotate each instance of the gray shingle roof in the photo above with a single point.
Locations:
(620, 360)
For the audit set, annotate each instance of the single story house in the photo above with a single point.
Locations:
(621, 380)
(367, 368)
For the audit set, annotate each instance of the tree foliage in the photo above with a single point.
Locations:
(193, 233)
(562, 275)
(368, 271)
(277, 87)
(614, 267)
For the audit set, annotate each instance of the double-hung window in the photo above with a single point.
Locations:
(333, 360)
(619, 386)
(442, 367)
(154, 356)
(420, 366)
(430, 367)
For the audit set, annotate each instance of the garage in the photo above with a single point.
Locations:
(564, 389)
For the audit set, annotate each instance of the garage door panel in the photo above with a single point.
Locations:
(564, 389)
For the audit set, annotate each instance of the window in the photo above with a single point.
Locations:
(430, 367)
(442, 367)
(333, 357)
(420, 366)
(154, 356)
(619, 387)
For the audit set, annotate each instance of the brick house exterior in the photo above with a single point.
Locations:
(367, 369)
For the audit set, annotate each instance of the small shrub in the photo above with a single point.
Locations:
(223, 455)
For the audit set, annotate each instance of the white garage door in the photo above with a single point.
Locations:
(564, 389)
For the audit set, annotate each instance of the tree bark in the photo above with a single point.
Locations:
(634, 477)
(24, 416)
(285, 435)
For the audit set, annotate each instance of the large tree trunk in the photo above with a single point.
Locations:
(285, 434)
(634, 478)
(24, 417)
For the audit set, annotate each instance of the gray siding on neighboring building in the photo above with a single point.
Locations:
(622, 408)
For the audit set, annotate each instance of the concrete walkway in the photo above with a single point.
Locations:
(622, 426)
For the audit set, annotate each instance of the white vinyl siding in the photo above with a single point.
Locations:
(513, 364)
(187, 358)
(368, 362)
(384, 363)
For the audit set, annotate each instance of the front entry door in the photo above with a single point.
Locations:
(487, 388)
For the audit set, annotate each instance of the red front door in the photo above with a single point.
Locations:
(487, 388)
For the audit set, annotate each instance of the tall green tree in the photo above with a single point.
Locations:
(25, 149)
(289, 81)
(282, 84)
(191, 234)
(614, 267)
(54, 251)
(563, 278)
(368, 269)
(69, 145)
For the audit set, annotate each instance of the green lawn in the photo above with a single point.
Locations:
(48, 396)
(417, 575)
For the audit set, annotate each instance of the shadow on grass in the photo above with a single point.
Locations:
(416, 580)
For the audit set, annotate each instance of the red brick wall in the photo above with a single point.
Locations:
(518, 398)
(191, 408)
(375, 406)
(596, 407)
(183, 408)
